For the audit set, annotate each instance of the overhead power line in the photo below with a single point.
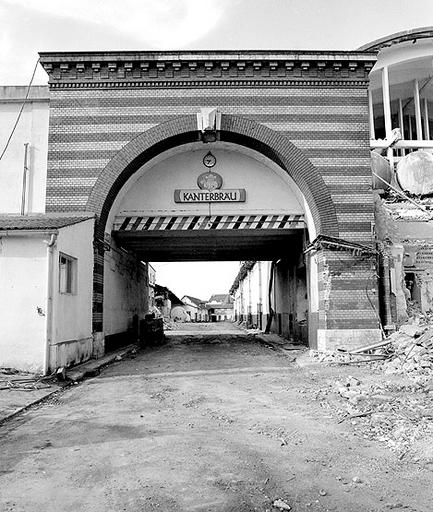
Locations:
(21, 111)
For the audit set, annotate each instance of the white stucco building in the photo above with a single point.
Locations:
(47, 260)
(46, 289)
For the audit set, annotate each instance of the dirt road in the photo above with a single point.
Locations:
(209, 422)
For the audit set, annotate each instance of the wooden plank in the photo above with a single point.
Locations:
(372, 346)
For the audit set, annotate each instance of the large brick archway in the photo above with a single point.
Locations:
(234, 129)
(112, 112)
(180, 131)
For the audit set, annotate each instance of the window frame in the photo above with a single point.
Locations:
(67, 284)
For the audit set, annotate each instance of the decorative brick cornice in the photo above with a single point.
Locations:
(182, 69)
(205, 83)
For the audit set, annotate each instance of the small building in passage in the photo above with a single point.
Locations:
(220, 308)
(196, 308)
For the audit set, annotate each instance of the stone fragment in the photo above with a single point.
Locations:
(281, 505)
(411, 330)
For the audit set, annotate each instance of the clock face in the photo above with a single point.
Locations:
(209, 160)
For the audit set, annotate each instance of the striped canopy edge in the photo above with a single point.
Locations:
(208, 222)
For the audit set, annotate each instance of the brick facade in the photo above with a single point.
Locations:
(307, 111)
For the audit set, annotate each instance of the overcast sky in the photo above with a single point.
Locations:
(29, 26)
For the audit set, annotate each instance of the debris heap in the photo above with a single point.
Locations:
(411, 350)
(408, 351)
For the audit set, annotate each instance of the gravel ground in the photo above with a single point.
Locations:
(211, 422)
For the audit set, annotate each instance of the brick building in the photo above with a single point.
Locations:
(231, 155)
(304, 112)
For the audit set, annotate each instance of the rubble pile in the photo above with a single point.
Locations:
(169, 325)
(396, 414)
(343, 357)
(412, 351)
(395, 406)
(12, 379)
(407, 351)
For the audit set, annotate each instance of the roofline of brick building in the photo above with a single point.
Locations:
(162, 68)
(204, 55)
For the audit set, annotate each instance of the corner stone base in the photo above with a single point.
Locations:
(349, 339)
(98, 345)
(70, 352)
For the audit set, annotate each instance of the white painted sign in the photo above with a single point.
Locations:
(210, 196)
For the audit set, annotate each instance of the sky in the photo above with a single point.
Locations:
(29, 26)
(200, 279)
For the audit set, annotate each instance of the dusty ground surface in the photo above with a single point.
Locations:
(209, 423)
(19, 389)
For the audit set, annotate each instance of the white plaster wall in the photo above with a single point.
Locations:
(288, 295)
(72, 313)
(248, 291)
(191, 310)
(258, 295)
(153, 191)
(126, 290)
(404, 52)
(33, 129)
(23, 289)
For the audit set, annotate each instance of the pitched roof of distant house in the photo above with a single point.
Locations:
(42, 221)
(194, 300)
(222, 298)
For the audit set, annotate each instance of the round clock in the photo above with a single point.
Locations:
(209, 160)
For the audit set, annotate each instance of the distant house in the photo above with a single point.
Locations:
(220, 308)
(169, 304)
(196, 308)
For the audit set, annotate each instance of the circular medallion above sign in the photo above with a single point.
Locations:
(209, 160)
(209, 181)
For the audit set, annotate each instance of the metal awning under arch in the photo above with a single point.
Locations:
(210, 237)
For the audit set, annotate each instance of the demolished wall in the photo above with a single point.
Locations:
(405, 232)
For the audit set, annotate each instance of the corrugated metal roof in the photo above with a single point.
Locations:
(42, 221)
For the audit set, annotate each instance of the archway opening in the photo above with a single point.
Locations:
(214, 202)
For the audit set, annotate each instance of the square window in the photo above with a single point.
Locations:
(67, 274)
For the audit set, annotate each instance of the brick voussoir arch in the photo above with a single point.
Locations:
(236, 129)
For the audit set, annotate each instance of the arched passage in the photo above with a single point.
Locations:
(180, 131)
(273, 145)
(267, 224)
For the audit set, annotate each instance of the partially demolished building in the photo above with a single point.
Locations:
(401, 130)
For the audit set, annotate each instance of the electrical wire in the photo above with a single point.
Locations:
(21, 111)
